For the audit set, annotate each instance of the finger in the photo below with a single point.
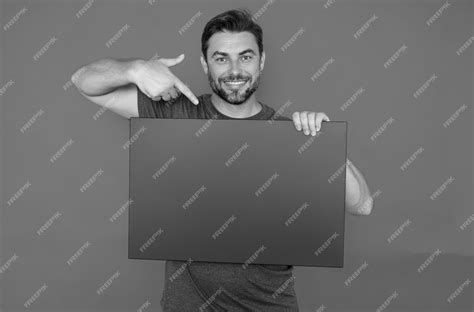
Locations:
(156, 98)
(165, 96)
(297, 121)
(173, 93)
(312, 122)
(172, 61)
(319, 119)
(304, 122)
(186, 91)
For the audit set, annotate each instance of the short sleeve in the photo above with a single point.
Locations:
(154, 109)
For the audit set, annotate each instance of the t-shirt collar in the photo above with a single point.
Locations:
(213, 111)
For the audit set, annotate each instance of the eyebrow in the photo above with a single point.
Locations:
(240, 53)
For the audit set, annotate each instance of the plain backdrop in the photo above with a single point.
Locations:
(69, 34)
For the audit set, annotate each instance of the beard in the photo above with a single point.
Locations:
(235, 97)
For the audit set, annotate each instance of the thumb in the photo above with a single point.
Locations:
(172, 61)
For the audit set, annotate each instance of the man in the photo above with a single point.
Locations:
(233, 58)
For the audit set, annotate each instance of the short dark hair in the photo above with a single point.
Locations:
(238, 20)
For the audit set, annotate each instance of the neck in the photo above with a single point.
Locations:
(247, 109)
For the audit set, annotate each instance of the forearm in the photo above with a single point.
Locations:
(104, 76)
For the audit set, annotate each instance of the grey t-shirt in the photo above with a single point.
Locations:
(219, 286)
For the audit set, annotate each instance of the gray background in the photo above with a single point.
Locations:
(43, 84)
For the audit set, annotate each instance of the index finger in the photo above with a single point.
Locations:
(186, 91)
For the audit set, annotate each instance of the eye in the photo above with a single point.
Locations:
(219, 58)
(249, 57)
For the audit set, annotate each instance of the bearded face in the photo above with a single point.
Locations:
(233, 66)
(234, 89)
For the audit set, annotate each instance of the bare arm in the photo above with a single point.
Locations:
(113, 83)
(104, 76)
(110, 83)
(358, 198)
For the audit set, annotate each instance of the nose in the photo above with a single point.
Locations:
(235, 69)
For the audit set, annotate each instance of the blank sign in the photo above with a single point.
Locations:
(237, 191)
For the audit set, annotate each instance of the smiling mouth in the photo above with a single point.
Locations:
(235, 83)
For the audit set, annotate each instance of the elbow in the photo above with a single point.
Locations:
(363, 209)
(75, 78)
(366, 208)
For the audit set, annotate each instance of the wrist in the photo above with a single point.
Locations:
(133, 69)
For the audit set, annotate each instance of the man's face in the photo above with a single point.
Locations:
(233, 57)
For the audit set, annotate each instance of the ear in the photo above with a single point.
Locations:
(204, 64)
(262, 61)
